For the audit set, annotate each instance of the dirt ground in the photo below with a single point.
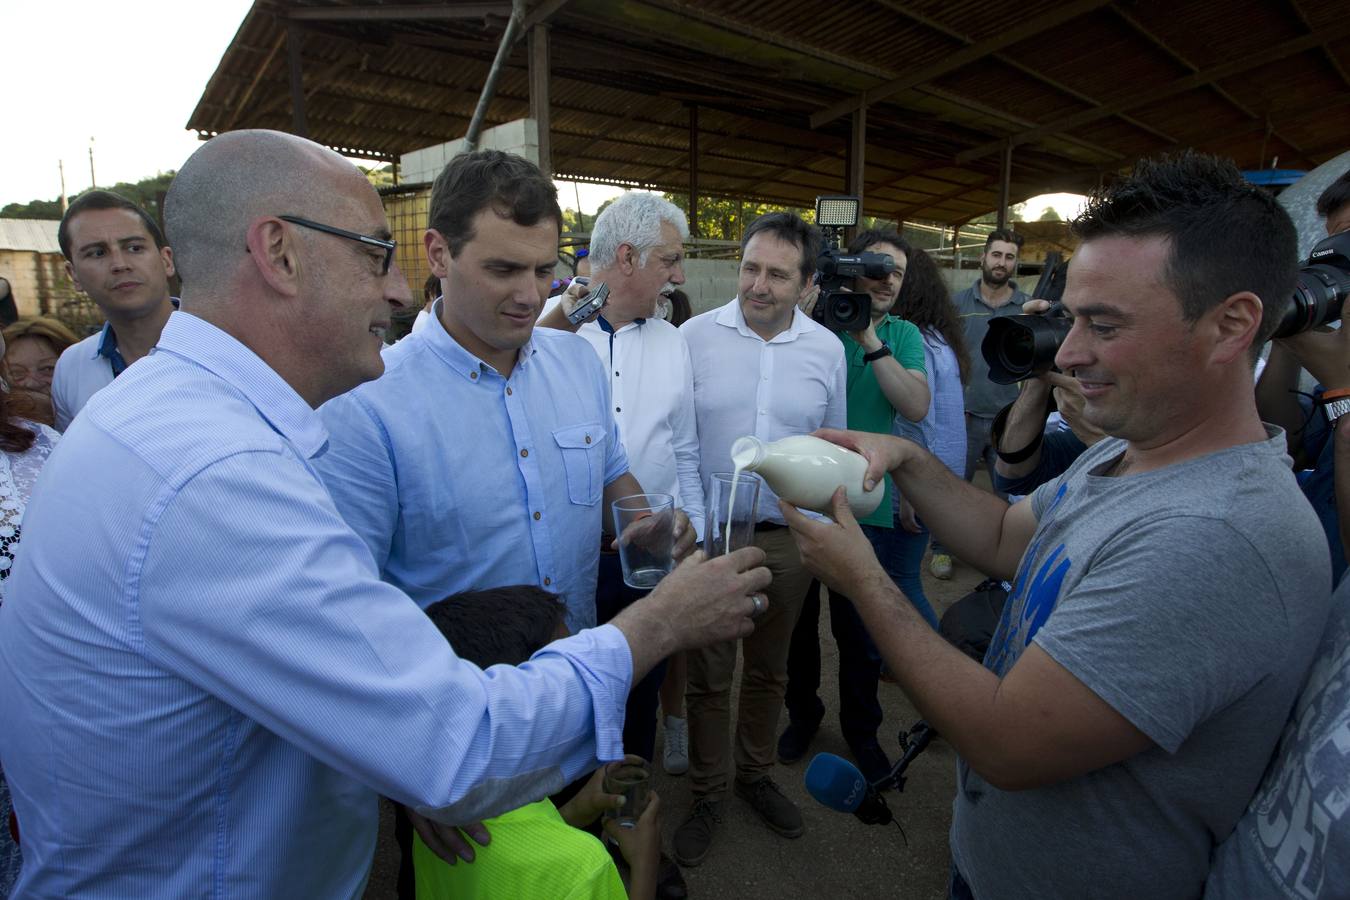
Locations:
(838, 857)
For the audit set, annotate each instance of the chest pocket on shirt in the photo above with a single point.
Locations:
(583, 455)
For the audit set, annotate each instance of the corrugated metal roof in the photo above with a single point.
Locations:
(29, 234)
(1080, 87)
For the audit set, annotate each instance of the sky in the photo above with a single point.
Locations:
(126, 77)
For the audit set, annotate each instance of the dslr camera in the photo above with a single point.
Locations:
(840, 306)
(1020, 347)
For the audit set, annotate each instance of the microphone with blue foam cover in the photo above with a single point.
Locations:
(836, 783)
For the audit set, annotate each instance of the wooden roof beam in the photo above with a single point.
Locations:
(1133, 99)
(1007, 60)
(1028, 28)
(394, 13)
(1143, 31)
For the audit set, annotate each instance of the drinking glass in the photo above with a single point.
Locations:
(730, 514)
(645, 524)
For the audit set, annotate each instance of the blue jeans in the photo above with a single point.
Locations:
(904, 563)
(859, 662)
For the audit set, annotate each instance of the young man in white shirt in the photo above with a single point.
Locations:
(117, 255)
(637, 249)
(761, 367)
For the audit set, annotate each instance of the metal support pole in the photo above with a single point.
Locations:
(490, 83)
(693, 170)
(539, 97)
(293, 40)
(1005, 184)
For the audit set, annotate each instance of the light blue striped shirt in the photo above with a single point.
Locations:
(458, 478)
(204, 683)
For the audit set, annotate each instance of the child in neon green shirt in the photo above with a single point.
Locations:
(536, 850)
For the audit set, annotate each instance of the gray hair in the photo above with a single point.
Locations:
(635, 218)
(227, 183)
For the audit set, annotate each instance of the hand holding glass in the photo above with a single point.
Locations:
(731, 511)
(645, 524)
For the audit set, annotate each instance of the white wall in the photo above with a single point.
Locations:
(520, 137)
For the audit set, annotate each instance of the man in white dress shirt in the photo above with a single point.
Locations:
(761, 367)
(637, 249)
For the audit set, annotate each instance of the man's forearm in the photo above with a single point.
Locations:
(953, 693)
(965, 519)
(1023, 426)
(906, 391)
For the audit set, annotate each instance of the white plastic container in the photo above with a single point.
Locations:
(806, 471)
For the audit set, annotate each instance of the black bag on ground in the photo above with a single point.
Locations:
(969, 623)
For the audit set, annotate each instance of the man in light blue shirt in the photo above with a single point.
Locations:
(487, 454)
(203, 682)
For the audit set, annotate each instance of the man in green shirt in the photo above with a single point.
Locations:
(886, 378)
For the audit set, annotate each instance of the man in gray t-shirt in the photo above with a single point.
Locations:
(1169, 589)
(1294, 840)
(1189, 599)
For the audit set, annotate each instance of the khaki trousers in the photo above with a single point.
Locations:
(708, 692)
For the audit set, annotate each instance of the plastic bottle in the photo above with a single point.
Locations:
(806, 471)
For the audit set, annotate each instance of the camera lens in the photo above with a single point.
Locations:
(1017, 352)
(1318, 299)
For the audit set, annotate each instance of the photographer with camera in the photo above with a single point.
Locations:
(1030, 450)
(1325, 353)
(886, 378)
(1169, 590)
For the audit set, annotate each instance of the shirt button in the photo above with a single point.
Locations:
(616, 374)
(537, 516)
(524, 453)
(618, 409)
(473, 375)
(547, 581)
(588, 438)
(508, 391)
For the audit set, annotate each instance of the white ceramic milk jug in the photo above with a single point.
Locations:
(806, 471)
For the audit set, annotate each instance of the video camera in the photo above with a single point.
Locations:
(840, 306)
(1020, 347)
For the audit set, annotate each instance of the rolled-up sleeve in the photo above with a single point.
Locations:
(314, 647)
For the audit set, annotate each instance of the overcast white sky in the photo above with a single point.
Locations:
(127, 75)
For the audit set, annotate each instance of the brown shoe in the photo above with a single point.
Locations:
(694, 837)
(777, 811)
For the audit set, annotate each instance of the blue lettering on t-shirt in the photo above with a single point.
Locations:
(1032, 599)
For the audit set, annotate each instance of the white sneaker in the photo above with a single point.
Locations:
(675, 759)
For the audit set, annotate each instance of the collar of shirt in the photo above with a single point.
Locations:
(461, 360)
(732, 317)
(107, 346)
(610, 329)
(198, 341)
(1018, 298)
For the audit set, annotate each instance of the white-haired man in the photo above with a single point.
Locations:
(637, 248)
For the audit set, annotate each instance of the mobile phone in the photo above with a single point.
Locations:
(590, 303)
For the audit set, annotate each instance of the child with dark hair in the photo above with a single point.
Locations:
(537, 850)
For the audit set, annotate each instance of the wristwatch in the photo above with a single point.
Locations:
(1335, 403)
(883, 350)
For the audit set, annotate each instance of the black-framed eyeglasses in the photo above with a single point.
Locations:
(386, 245)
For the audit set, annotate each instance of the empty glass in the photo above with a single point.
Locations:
(645, 524)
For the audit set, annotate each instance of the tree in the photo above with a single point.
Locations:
(144, 193)
(1050, 214)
